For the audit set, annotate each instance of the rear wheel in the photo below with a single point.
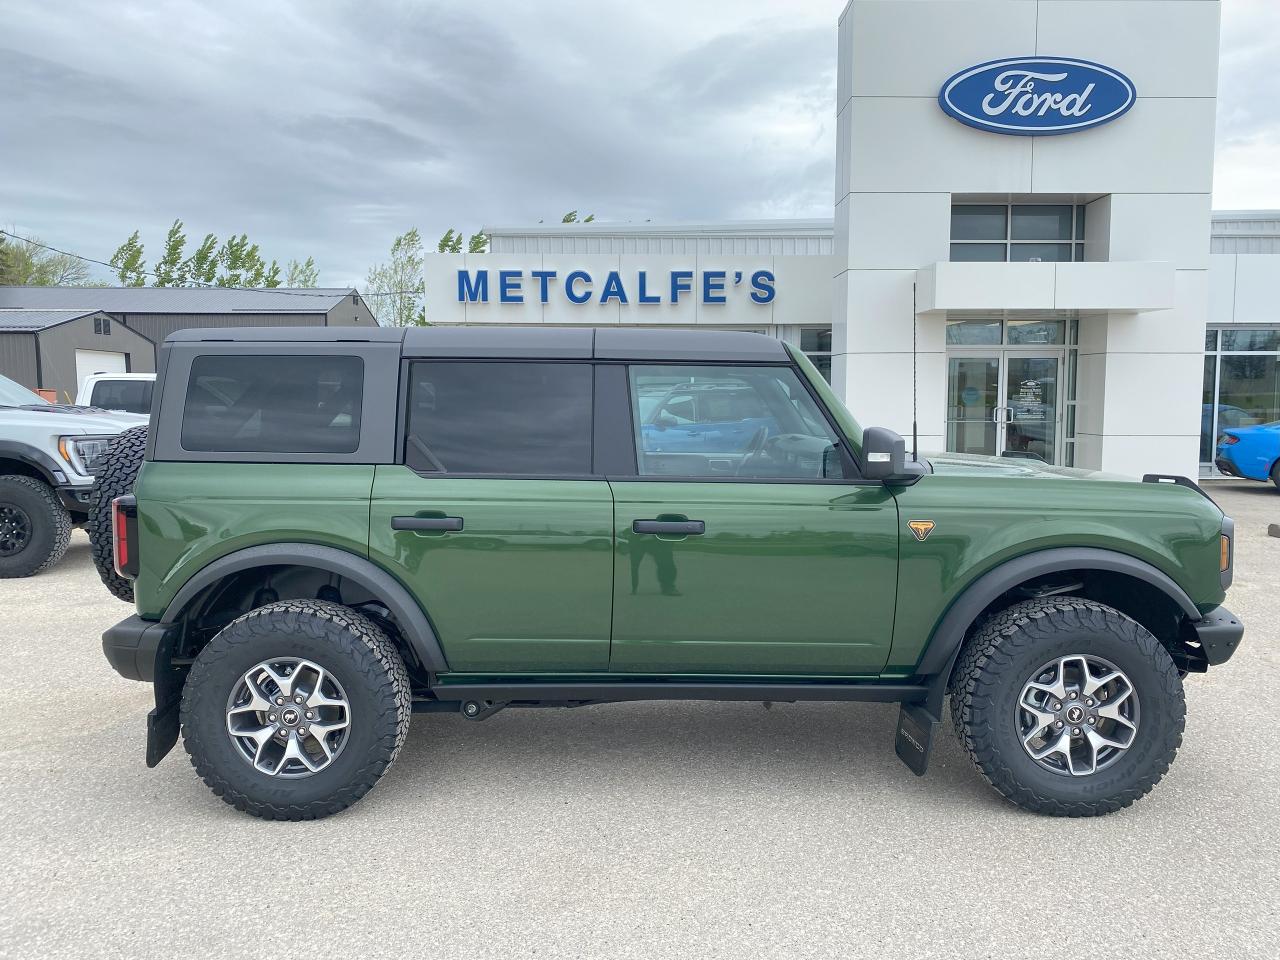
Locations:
(35, 527)
(295, 710)
(1275, 474)
(116, 473)
(1068, 707)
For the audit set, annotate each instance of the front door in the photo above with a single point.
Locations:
(1005, 402)
(741, 547)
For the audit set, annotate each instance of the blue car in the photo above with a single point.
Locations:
(710, 418)
(1251, 452)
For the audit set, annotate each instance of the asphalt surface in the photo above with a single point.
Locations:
(641, 830)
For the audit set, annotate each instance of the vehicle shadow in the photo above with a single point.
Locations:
(671, 747)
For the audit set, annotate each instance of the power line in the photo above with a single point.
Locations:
(201, 284)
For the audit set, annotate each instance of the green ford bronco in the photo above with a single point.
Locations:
(331, 529)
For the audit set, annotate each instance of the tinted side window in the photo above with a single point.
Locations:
(752, 423)
(131, 396)
(248, 404)
(530, 419)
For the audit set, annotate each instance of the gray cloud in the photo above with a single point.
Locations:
(325, 128)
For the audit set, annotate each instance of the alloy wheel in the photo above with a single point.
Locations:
(288, 717)
(1077, 715)
(15, 529)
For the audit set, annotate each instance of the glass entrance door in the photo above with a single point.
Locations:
(1005, 402)
(1030, 416)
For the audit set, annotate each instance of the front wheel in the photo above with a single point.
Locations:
(1068, 707)
(295, 710)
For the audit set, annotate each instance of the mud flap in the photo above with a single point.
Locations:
(916, 729)
(163, 722)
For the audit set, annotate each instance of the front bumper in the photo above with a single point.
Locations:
(75, 499)
(1219, 632)
(130, 647)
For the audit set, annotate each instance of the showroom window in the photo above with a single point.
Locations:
(814, 343)
(1017, 232)
(1241, 382)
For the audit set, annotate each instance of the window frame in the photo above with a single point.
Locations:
(1008, 243)
(627, 469)
(377, 434)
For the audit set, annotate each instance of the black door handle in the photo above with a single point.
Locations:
(685, 527)
(426, 523)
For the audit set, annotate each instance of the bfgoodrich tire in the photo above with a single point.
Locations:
(35, 527)
(295, 710)
(116, 473)
(1068, 707)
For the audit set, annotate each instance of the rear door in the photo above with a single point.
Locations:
(764, 556)
(495, 517)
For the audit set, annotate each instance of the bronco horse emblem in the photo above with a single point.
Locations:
(921, 528)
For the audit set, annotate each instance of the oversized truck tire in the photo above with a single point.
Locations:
(1068, 707)
(34, 526)
(296, 709)
(115, 478)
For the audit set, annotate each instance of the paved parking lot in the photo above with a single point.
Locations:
(640, 830)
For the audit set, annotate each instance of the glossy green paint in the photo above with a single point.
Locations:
(190, 514)
(987, 511)
(789, 578)
(526, 585)
(845, 420)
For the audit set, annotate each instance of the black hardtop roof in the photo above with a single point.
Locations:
(510, 343)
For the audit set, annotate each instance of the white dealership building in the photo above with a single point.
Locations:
(1022, 247)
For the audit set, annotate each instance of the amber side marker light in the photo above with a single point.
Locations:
(1224, 543)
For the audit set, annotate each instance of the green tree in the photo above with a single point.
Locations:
(30, 264)
(302, 274)
(128, 262)
(450, 242)
(202, 266)
(394, 290)
(171, 268)
(241, 264)
(572, 217)
(478, 243)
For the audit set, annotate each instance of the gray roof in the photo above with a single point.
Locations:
(29, 321)
(174, 299)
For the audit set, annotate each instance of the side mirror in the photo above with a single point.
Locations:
(665, 422)
(885, 453)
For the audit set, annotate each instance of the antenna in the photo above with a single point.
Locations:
(915, 423)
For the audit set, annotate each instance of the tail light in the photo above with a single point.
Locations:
(124, 535)
(1227, 440)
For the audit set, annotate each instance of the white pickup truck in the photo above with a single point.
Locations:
(118, 392)
(48, 454)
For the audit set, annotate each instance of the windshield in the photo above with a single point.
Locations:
(13, 395)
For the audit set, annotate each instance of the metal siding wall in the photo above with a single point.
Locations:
(58, 346)
(675, 244)
(157, 326)
(347, 314)
(18, 358)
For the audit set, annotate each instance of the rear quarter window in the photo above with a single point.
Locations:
(273, 404)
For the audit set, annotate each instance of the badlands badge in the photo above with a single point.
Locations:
(921, 528)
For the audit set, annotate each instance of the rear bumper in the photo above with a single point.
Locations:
(130, 647)
(1219, 632)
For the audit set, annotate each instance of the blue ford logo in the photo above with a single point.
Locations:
(1037, 96)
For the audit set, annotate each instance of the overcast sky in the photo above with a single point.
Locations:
(326, 128)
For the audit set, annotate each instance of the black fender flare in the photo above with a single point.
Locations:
(950, 632)
(417, 629)
(36, 458)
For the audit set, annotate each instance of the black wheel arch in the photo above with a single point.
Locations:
(413, 622)
(34, 461)
(950, 632)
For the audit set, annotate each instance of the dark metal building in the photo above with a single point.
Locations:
(43, 354)
(55, 349)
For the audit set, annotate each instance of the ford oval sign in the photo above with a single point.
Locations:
(1037, 96)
